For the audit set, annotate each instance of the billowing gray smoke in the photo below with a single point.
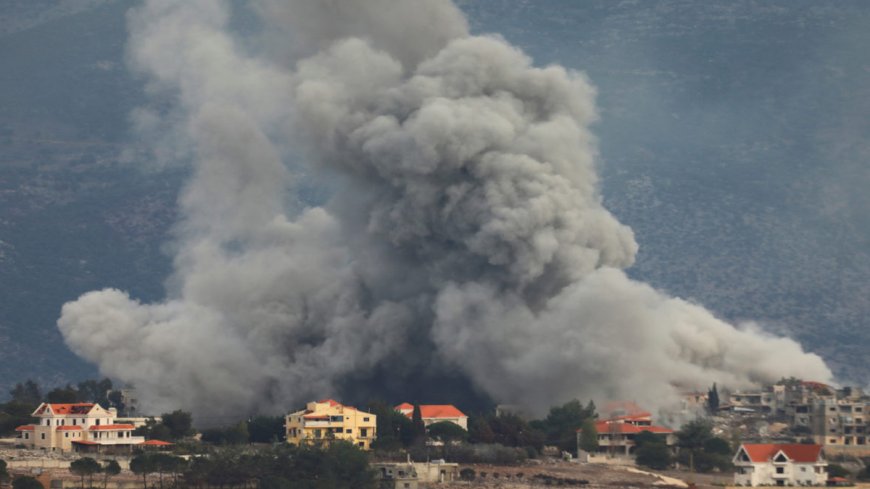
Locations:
(465, 232)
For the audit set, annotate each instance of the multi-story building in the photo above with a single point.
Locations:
(617, 435)
(79, 426)
(779, 465)
(842, 422)
(323, 421)
(436, 413)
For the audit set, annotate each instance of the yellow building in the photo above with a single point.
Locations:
(326, 420)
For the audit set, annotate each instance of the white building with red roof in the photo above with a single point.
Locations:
(435, 413)
(77, 426)
(772, 464)
(617, 435)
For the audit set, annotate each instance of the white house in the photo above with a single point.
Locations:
(80, 426)
(770, 464)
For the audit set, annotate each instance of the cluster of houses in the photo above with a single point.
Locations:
(831, 417)
(327, 419)
(838, 419)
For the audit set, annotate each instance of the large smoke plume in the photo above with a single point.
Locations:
(465, 231)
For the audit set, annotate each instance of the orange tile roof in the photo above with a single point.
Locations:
(796, 452)
(26, 427)
(69, 428)
(622, 408)
(603, 427)
(431, 411)
(112, 427)
(156, 443)
(71, 408)
(334, 403)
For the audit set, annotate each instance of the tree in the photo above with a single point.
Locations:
(142, 465)
(718, 446)
(269, 429)
(26, 482)
(153, 430)
(562, 422)
(95, 391)
(646, 437)
(713, 399)
(63, 395)
(588, 436)
(178, 422)
(85, 467)
(232, 435)
(419, 427)
(513, 431)
(692, 436)
(4, 474)
(27, 393)
(654, 455)
(447, 431)
(479, 430)
(835, 470)
(110, 469)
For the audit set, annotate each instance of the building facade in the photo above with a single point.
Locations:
(66, 427)
(771, 464)
(323, 421)
(616, 436)
(436, 413)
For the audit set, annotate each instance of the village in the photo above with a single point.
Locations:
(792, 433)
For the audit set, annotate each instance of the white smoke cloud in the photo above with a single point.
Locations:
(466, 230)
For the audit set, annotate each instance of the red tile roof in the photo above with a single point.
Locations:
(69, 428)
(603, 427)
(334, 403)
(26, 427)
(110, 427)
(156, 443)
(431, 411)
(796, 452)
(623, 408)
(73, 408)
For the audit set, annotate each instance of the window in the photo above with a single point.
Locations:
(365, 420)
(362, 444)
(780, 470)
(43, 436)
(66, 435)
(98, 422)
(349, 430)
(803, 469)
(74, 421)
(363, 432)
